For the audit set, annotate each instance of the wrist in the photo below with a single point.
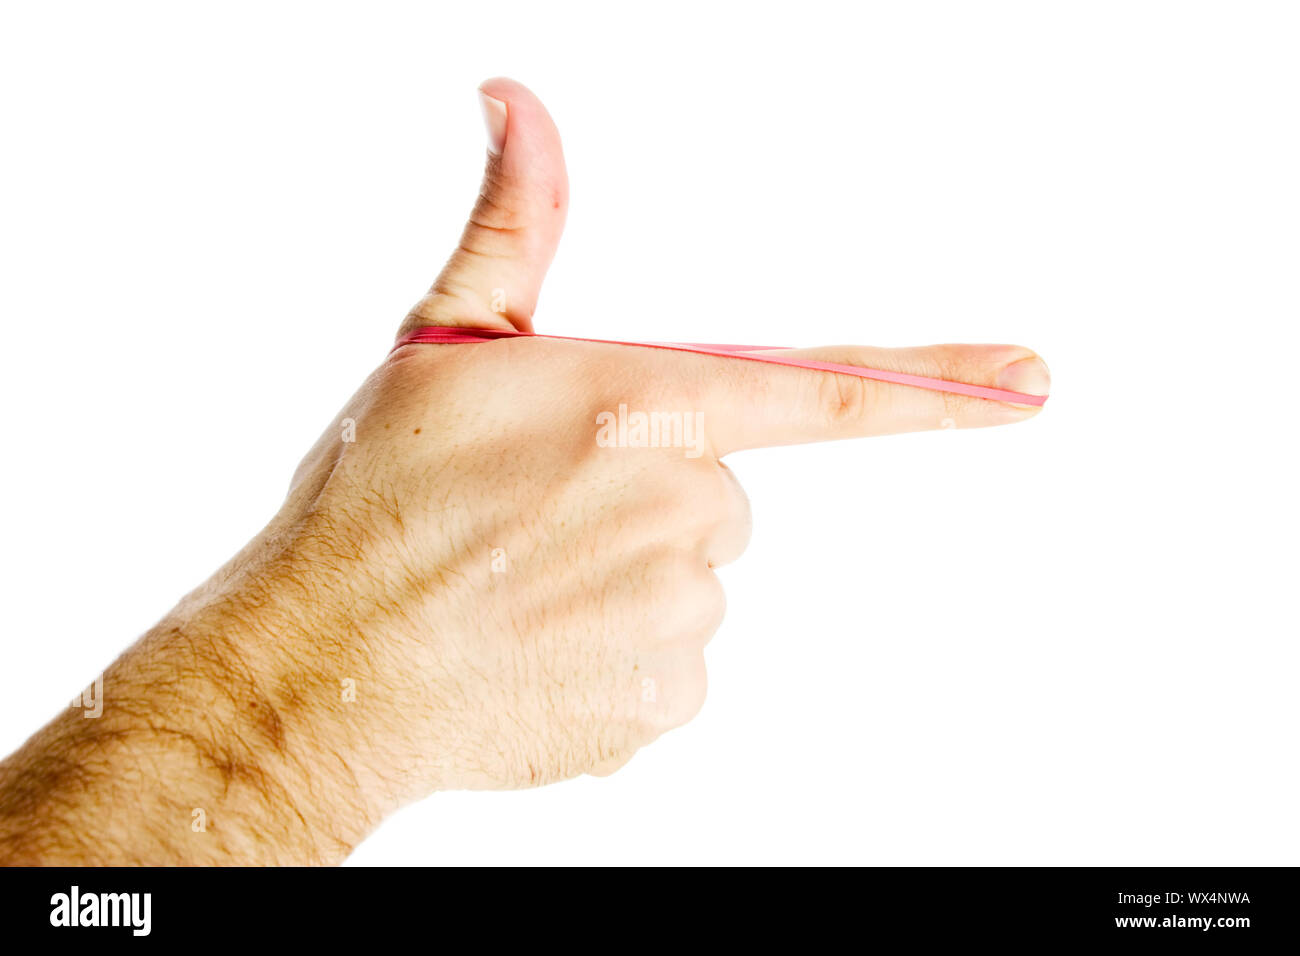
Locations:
(277, 670)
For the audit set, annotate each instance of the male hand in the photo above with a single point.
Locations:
(464, 587)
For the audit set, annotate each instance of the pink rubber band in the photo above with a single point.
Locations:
(450, 335)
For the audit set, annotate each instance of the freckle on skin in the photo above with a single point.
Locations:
(417, 431)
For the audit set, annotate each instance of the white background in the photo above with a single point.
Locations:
(1070, 641)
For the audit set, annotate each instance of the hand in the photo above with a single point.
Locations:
(467, 587)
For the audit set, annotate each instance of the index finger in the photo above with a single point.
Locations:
(756, 404)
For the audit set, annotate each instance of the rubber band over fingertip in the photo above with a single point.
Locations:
(452, 335)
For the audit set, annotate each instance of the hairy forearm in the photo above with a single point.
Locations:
(202, 753)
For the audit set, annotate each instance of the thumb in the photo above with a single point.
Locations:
(493, 278)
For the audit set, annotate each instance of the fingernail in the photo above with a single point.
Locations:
(494, 115)
(1028, 375)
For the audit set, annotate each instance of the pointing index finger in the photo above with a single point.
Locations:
(805, 395)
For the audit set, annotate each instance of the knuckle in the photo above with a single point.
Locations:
(955, 364)
(949, 362)
(844, 400)
(713, 604)
(694, 607)
(682, 694)
(741, 521)
(737, 505)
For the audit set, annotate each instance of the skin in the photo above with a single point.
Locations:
(509, 603)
